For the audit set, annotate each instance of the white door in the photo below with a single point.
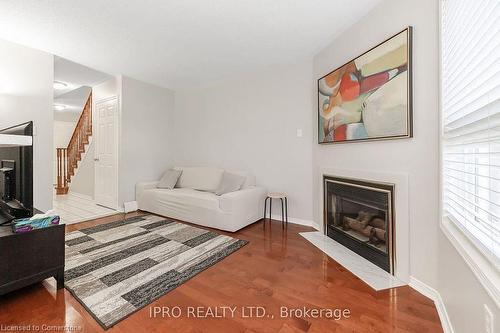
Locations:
(106, 153)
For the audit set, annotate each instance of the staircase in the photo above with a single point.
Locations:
(68, 158)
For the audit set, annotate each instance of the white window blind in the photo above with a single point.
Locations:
(470, 41)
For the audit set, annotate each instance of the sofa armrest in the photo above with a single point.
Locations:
(247, 200)
(143, 186)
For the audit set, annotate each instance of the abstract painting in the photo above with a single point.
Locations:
(368, 98)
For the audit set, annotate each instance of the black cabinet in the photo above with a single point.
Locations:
(31, 257)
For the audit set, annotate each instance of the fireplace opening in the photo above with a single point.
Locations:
(359, 215)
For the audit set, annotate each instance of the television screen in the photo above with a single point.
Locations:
(16, 174)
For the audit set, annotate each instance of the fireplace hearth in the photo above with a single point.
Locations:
(359, 215)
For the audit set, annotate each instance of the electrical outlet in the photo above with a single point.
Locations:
(488, 320)
(299, 132)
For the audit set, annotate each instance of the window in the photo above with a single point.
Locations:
(470, 41)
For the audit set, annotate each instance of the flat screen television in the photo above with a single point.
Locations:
(16, 176)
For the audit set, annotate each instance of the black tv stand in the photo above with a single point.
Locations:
(31, 257)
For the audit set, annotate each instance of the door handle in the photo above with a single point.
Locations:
(96, 159)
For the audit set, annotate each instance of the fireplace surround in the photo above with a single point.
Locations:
(359, 215)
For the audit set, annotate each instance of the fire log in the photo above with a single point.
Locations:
(377, 222)
(365, 217)
(377, 234)
(358, 226)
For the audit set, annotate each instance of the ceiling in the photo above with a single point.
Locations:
(179, 43)
(78, 80)
(75, 75)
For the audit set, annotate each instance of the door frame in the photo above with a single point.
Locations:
(118, 118)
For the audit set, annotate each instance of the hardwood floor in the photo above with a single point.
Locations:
(278, 268)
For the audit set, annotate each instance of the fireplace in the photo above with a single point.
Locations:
(359, 215)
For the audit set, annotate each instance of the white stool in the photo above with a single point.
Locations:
(284, 205)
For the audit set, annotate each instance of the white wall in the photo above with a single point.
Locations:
(83, 182)
(62, 133)
(146, 134)
(106, 89)
(417, 157)
(26, 94)
(462, 293)
(433, 259)
(249, 123)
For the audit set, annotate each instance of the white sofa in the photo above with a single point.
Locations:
(193, 199)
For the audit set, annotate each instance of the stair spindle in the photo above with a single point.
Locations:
(67, 158)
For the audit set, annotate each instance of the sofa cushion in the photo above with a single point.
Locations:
(169, 179)
(230, 182)
(184, 199)
(200, 178)
(249, 178)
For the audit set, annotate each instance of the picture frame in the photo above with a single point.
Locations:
(369, 98)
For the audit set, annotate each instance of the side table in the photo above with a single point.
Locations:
(284, 205)
(27, 258)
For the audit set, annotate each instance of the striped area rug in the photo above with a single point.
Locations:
(117, 268)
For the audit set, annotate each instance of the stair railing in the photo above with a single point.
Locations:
(68, 157)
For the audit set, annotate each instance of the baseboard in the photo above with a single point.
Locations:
(294, 220)
(434, 295)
